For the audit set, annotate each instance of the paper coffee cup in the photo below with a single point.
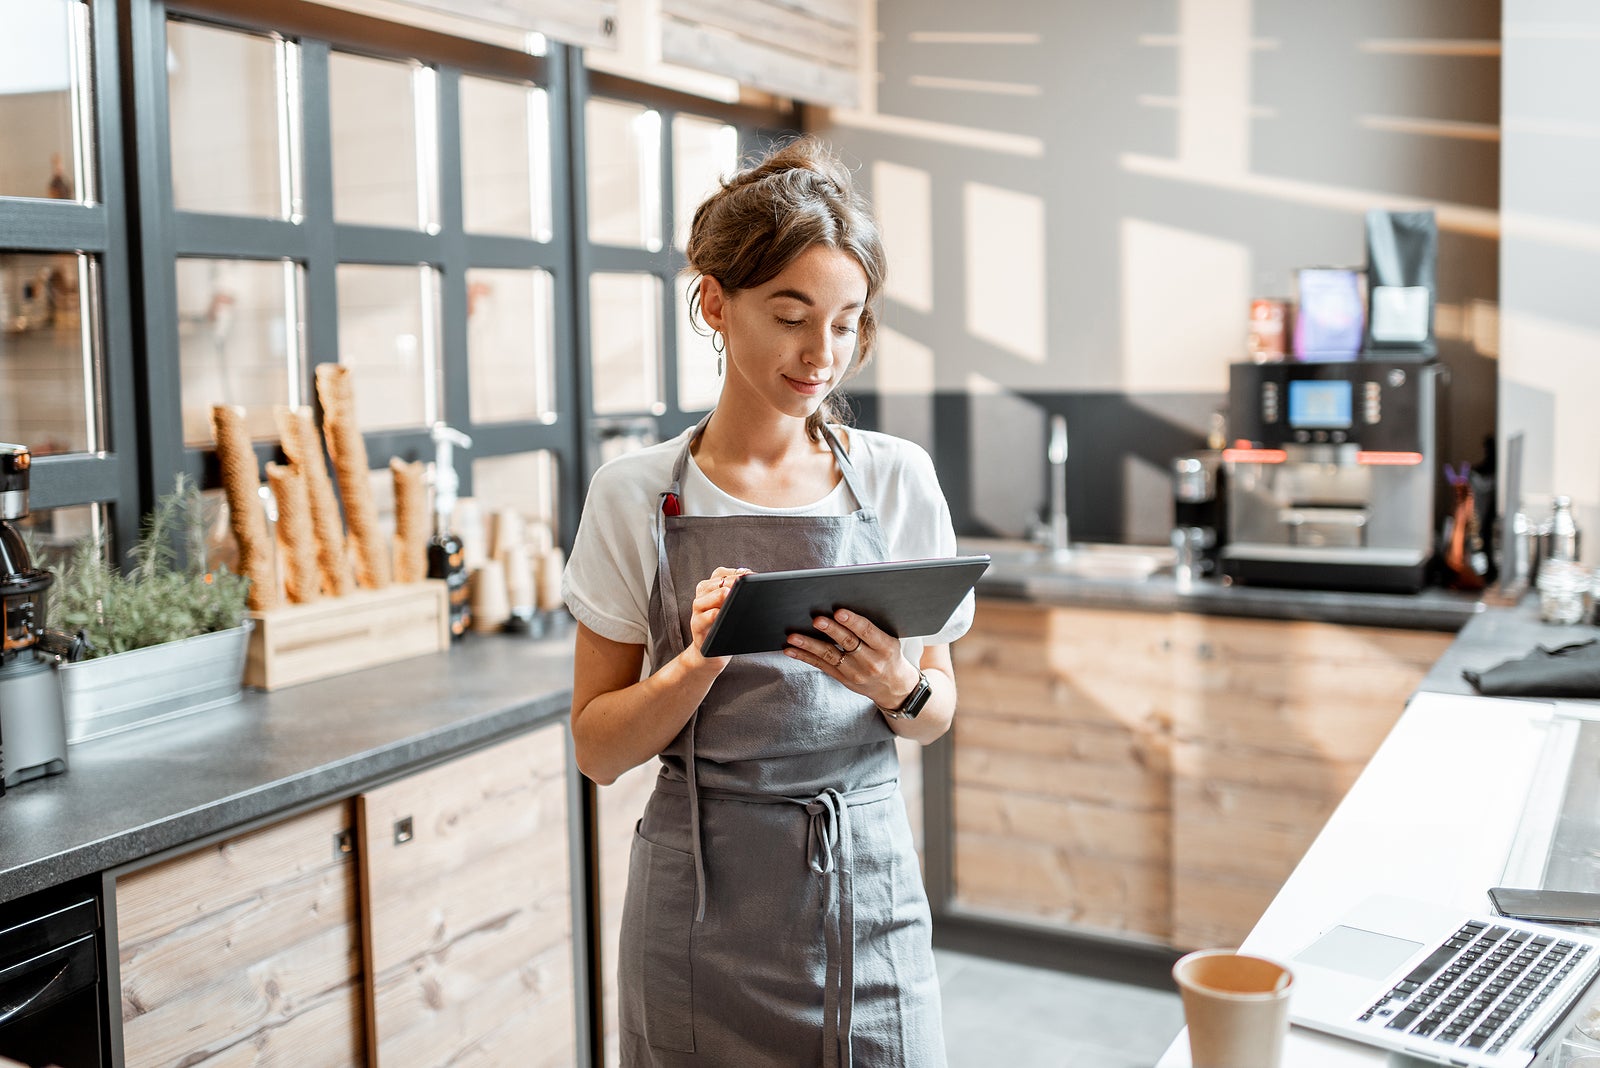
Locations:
(1236, 1006)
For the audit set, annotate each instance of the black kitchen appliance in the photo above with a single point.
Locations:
(1331, 474)
(52, 992)
(33, 736)
(1199, 513)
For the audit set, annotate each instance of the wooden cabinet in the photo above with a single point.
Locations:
(1158, 775)
(426, 922)
(1272, 723)
(467, 898)
(1062, 767)
(245, 952)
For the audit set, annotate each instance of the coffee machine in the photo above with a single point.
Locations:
(1332, 472)
(33, 737)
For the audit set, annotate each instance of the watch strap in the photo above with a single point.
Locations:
(914, 702)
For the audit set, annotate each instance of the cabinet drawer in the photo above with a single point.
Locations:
(246, 952)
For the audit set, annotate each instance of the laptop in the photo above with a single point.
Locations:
(1477, 991)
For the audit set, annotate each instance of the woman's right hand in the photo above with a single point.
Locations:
(709, 594)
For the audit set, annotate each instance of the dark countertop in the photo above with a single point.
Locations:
(1497, 635)
(162, 786)
(1018, 572)
(131, 795)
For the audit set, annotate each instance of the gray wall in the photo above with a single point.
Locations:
(1550, 252)
(1080, 199)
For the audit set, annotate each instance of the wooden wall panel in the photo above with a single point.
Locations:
(1061, 768)
(469, 922)
(808, 51)
(1159, 774)
(1272, 723)
(588, 23)
(245, 953)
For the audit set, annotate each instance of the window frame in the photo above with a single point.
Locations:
(320, 244)
(757, 127)
(100, 230)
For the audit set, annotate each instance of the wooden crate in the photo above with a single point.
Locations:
(301, 642)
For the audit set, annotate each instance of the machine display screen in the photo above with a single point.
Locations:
(1319, 403)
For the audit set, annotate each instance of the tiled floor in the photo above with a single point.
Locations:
(996, 1013)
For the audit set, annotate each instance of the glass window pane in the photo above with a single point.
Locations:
(505, 158)
(699, 385)
(53, 534)
(48, 363)
(510, 341)
(388, 337)
(239, 341)
(624, 157)
(234, 148)
(383, 125)
(524, 482)
(703, 153)
(625, 342)
(45, 105)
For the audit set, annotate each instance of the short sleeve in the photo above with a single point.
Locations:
(607, 581)
(917, 520)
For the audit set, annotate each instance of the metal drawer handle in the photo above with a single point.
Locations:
(402, 831)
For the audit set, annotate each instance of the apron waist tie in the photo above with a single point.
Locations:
(831, 853)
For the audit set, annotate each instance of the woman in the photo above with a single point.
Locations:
(775, 913)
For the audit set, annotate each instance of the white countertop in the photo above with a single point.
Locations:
(1433, 817)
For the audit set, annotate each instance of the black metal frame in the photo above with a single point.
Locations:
(755, 125)
(319, 243)
(99, 230)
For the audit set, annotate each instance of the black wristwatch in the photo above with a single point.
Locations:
(912, 706)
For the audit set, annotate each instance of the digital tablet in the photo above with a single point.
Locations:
(906, 598)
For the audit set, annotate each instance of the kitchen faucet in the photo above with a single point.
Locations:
(1057, 453)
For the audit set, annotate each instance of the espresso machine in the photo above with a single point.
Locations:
(33, 737)
(1331, 474)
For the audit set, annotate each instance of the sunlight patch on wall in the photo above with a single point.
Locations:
(902, 198)
(902, 365)
(1559, 359)
(1005, 268)
(1185, 301)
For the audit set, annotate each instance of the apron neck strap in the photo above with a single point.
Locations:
(847, 469)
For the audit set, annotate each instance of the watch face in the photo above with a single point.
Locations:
(919, 697)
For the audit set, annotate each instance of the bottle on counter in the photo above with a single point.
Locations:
(447, 554)
(1561, 535)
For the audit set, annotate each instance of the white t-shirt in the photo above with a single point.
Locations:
(612, 570)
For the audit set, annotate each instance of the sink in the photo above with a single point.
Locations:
(1090, 560)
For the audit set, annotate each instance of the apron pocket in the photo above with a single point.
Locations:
(657, 924)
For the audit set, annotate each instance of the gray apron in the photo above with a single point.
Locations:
(775, 912)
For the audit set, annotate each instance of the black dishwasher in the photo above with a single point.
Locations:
(51, 996)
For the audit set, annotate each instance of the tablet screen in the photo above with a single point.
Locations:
(907, 598)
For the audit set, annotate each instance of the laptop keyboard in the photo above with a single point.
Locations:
(1479, 987)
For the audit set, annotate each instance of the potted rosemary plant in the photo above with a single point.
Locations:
(166, 638)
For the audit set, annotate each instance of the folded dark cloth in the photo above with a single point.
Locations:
(1564, 671)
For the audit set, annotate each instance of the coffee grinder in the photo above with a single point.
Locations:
(33, 736)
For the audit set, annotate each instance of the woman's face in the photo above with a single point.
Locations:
(790, 341)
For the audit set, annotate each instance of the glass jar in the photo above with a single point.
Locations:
(1563, 586)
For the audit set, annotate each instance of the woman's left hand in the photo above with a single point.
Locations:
(858, 654)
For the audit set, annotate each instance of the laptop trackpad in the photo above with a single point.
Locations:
(1357, 952)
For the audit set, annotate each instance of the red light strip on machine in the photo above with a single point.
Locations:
(1389, 459)
(1254, 456)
